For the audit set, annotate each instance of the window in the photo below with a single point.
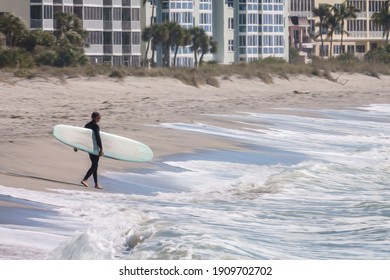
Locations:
(36, 12)
(107, 38)
(117, 14)
(93, 13)
(126, 39)
(117, 38)
(230, 23)
(231, 45)
(48, 12)
(230, 3)
(135, 14)
(242, 41)
(361, 49)
(95, 38)
(136, 38)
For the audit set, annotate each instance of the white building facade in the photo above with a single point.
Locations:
(261, 29)
(188, 13)
(114, 26)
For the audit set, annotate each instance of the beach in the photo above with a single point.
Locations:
(165, 114)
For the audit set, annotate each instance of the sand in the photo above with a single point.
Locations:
(134, 107)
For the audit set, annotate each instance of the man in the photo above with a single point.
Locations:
(93, 125)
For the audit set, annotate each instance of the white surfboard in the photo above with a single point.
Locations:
(114, 146)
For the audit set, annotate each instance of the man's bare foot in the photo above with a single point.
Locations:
(84, 183)
(98, 187)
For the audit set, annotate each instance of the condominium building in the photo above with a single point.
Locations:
(188, 13)
(362, 34)
(114, 26)
(246, 30)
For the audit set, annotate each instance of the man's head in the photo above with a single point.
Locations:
(95, 116)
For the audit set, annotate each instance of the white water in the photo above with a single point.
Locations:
(312, 188)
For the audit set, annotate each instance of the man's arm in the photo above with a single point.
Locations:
(98, 139)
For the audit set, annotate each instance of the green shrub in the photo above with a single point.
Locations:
(16, 57)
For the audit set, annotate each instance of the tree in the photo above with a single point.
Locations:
(333, 22)
(175, 36)
(383, 18)
(159, 37)
(68, 25)
(29, 39)
(12, 27)
(186, 40)
(322, 12)
(71, 40)
(209, 45)
(147, 36)
(151, 24)
(345, 12)
(199, 37)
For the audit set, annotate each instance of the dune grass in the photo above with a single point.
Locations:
(209, 74)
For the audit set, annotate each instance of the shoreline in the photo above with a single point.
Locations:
(134, 107)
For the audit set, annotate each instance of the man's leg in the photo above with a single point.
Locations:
(95, 171)
(90, 171)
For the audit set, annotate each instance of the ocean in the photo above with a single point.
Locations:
(304, 184)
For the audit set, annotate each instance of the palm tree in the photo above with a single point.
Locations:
(147, 36)
(12, 27)
(209, 45)
(345, 12)
(160, 35)
(383, 18)
(186, 40)
(175, 35)
(70, 26)
(199, 37)
(322, 12)
(333, 22)
(151, 24)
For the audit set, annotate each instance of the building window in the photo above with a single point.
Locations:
(135, 14)
(48, 12)
(136, 38)
(36, 12)
(361, 49)
(95, 37)
(230, 3)
(231, 23)
(231, 45)
(93, 13)
(117, 38)
(117, 14)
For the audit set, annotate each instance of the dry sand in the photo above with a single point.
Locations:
(134, 107)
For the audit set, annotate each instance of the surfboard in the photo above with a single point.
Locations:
(114, 146)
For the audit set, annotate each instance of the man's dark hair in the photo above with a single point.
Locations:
(94, 115)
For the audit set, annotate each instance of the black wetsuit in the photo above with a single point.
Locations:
(94, 158)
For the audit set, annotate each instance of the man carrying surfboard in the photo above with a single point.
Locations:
(93, 125)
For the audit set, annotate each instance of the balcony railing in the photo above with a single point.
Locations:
(36, 23)
(357, 34)
(107, 49)
(126, 49)
(375, 34)
(126, 25)
(107, 25)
